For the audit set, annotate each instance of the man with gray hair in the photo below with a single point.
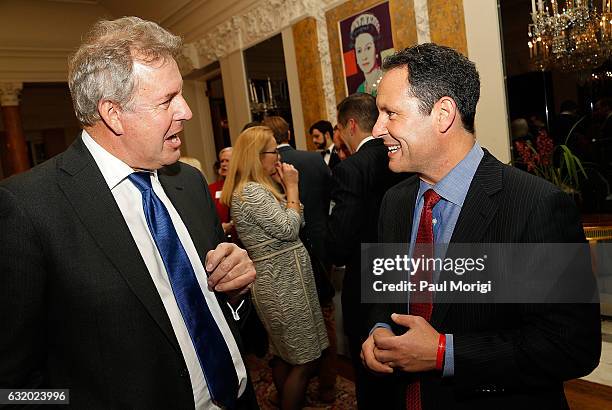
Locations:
(115, 283)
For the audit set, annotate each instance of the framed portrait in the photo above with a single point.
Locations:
(445, 26)
(365, 40)
(396, 20)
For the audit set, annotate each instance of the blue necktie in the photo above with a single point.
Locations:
(210, 346)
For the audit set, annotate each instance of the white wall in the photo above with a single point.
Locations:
(235, 93)
(484, 48)
(198, 132)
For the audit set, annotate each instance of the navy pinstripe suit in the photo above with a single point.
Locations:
(506, 355)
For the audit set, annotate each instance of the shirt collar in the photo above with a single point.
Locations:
(284, 144)
(363, 141)
(454, 186)
(113, 169)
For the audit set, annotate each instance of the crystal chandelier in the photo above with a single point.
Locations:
(575, 37)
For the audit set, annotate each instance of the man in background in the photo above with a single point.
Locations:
(321, 133)
(358, 185)
(340, 147)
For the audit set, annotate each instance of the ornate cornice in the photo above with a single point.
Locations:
(9, 93)
(220, 42)
(257, 23)
(187, 60)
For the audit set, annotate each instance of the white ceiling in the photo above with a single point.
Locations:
(156, 10)
(36, 36)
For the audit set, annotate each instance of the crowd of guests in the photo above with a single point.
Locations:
(279, 202)
(121, 286)
(278, 199)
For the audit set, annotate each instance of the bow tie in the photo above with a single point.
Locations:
(326, 151)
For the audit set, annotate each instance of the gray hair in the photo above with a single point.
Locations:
(223, 150)
(102, 68)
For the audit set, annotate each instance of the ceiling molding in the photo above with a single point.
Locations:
(259, 22)
(34, 64)
(91, 2)
(182, 12)
(253, 25)
(33, 76)
(34, 52)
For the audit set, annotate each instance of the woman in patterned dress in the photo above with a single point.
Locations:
(284, 294)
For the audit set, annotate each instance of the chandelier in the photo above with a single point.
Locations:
(575, 37)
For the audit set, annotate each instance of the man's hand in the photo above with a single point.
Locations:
(414, 351)
(231, 270)
(367, 351)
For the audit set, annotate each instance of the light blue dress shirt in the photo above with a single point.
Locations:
(452, 189)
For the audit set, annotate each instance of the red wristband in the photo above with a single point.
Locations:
(441, 351)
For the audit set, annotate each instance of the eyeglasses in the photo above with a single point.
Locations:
(275, 152)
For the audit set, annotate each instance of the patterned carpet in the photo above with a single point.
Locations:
(261, 377)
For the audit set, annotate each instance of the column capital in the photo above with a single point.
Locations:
(9, 93)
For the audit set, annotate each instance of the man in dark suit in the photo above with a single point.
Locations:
(469, 355)
(322, 133)
(314, 186)
(358, 185)
(107, 247)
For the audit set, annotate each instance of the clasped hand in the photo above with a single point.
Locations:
(286, 175)
(230, 270)
(413, 351)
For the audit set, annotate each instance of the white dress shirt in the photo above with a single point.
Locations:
(363, 141)
(328, 151)
(129, 200)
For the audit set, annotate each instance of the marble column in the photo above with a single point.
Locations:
(13, 146)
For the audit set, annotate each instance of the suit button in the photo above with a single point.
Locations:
(184, 372)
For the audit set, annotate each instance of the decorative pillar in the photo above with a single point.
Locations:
(13, 147)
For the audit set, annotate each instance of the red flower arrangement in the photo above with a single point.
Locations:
(541, 161)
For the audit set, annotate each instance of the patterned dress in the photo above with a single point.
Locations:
(284, 292)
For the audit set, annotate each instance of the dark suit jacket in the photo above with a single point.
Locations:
(79, 308)
(358, 186)
(334, 159)
(506, 355)
(314, 194)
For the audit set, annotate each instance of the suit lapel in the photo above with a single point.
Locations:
(478, 208)
(194, 219)
(408, 202)
(477, 212)
(198, 218)
(81, 180)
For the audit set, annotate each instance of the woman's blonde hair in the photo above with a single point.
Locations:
(245, 165)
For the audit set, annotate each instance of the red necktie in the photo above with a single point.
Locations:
(423, 307)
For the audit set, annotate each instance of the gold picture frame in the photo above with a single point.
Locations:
(446, 24)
